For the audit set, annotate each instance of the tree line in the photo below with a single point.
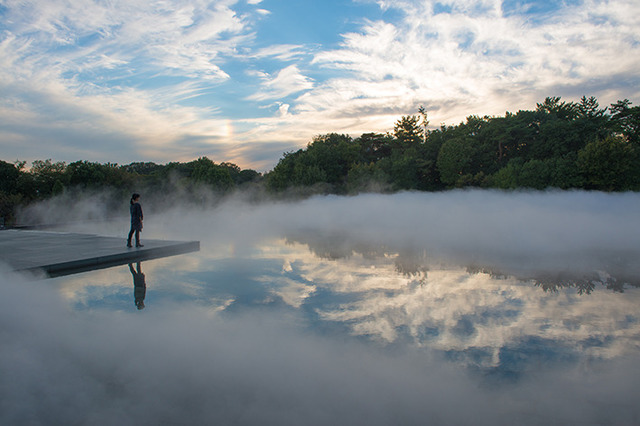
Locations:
(558, 145)
(19, 186)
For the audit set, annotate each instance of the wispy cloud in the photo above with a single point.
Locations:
(465, 57)
(283, 52)
(486, 62)
(93, 75)
(286, 82)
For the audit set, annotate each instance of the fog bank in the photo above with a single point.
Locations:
(551, 235)
(522, 233)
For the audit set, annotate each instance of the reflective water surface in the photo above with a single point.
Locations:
(315, 313)
(493, 322)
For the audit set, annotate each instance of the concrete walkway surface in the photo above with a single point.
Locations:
(64, 253)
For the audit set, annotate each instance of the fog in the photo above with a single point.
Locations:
(522, 233)
(528, 234)
(188, 364)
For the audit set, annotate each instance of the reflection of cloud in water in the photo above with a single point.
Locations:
(291, 292)
(579, 269)
(187, 364)
(453, 309)
(457, 311)
(352, 274)
(84, 288)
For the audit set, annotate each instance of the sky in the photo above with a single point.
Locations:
(246, 80)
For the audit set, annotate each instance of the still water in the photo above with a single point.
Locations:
(496, 323)
(326, 325)
(498, 329)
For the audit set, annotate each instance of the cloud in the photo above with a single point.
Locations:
(134, 80)
(75, 75)
(286, 82)
(484, 61)
(283, 52)
(474, 58)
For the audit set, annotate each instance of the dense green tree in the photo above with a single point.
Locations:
(535, 149)
(282, 175)
(207, 172)
(38, 183)
(455, 160)
(552, 172)
(309, 174)
(554, 106)
(373, 147)
(10, 195)
(626, 120)
(96, 175)
(554, 121)
(8, 204)
(238, 175)
(566, 173)
(536, 174)
(516, 135)
(327, 159)
(9, 175)
(58, 188)
(367, 177)
(334, 154)
(429, 153)
(142, 168)
(410, 170)
(592, 122)
(611, 164)
(408, 132)
(247, 175)
(411, 164)
(508, 177)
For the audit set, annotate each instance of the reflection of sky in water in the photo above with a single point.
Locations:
(493, 322)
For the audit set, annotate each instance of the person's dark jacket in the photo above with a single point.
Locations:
(136, 216)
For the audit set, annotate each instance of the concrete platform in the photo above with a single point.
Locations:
(64, 253)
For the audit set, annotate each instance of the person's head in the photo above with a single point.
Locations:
(134, 198)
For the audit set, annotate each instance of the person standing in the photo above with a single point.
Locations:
(136, 219)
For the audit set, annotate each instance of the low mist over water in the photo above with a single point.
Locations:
(469, 307)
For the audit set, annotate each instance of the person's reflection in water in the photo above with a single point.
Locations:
(139, 285)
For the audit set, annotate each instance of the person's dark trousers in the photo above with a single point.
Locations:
(137, 232)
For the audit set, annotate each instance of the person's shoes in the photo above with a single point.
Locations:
(129, 245)
(139, 245)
